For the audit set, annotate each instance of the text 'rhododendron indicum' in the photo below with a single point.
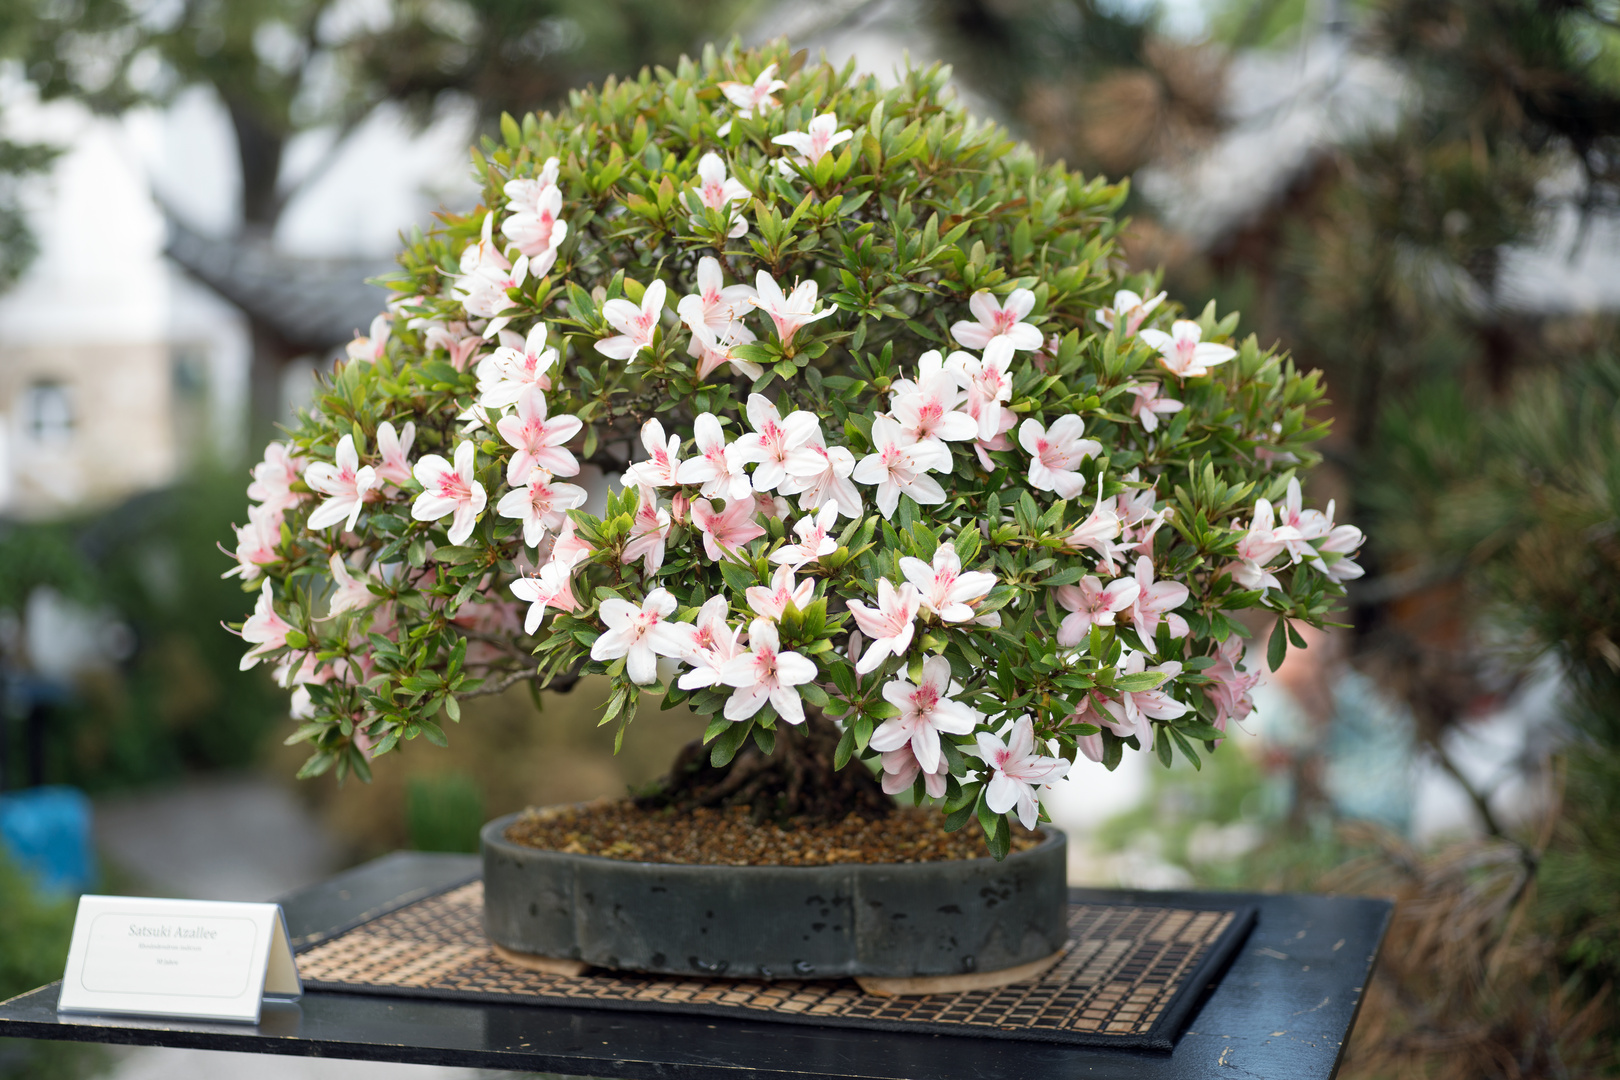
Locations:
(804, 404)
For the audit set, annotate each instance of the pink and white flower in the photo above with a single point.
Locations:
(1131, 307)
(814, 144)
(516, 365)
(265, 630)
(538, 439)
(352, 592)
(1307, 524)
(900, 771)
(486, 279)
(927, 408)
(751, 97)
(1132, 712)
(450, 489)
(648, 532)
(1155, 602)
(1229, 686)
(815, 539)
(996, 320)
(635, 323)
(889, 626)
(988, 382)
(537, 229)
(394, 447)
(552, 587)
(1098, 532)
(273, 479)
(725, 531)
(714, 642)
(716, 306)
(641, 635)
(1016, 770)
(542, 505)
(1262, 542)
(766, 673)
(1149, 403)
(926, 712)
(373, 346)
(820, 476)
(1182, 352)
(1090, 604)
(772, 602)
(788, 312)
(1344, 540)
(663, 463)
(257, 543)
(899, 466)
(1056, 454)
(345, 483)
(457, 339)
(718, 466)
(716, 191)
(524, 194)
(775, 442)
(711, 352)
(944, 588)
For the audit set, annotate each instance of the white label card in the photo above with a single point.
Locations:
(195, 959)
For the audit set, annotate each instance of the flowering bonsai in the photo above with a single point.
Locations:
(817, 407)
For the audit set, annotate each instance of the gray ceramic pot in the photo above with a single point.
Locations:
(895, 920)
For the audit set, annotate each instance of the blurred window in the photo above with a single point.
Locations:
(48, 413)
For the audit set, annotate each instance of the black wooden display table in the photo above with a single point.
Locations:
(1283, 1010)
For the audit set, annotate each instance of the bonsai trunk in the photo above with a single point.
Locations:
(797, 779)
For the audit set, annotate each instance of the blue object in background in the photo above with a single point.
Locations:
(47, 831)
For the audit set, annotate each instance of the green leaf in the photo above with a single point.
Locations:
(730, 741)
(1277, 649)
(433, 732)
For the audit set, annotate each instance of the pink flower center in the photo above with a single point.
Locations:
(925, 697)
(452, 486)
(1005, 321)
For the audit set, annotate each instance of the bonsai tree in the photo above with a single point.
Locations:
(818, 407)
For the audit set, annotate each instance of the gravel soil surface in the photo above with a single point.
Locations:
(618, 829)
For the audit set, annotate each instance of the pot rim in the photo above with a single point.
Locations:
(493, 835)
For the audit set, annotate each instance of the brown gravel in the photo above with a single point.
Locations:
(617, 829)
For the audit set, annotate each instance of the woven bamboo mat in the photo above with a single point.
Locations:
(1129, 978)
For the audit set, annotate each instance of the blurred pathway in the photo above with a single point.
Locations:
(229, 838)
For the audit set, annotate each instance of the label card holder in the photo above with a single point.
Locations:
(188, 959)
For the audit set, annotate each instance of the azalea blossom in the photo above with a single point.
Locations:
(457, 339)
(524, 194)
(1307, 524)
(519, 363)
(663, 462)
(1133, 712)
(265, 630)
(1229, 687)
(772, 602)
(716, 305)
(1262, 542)
(788, 312)
(998, 441)
(718, 466)
(988, 382)
(345, 483)
(927, 408)
(766, 673)
(373, 346)
(1056, 454)
(648, 532)
(352, 593)
(815, 539)
(900, 771)
(725, 530)
(538, 439)
(449, 489)
(889, 625)
(1182, 352)
(1098, 532)
(568, 547)
(926, 713)
(775, 442)
(716, 191)
(1344, 540)
(997, 320)
(257, 543)
(552, 587)
(641, 635)
(1015, 771)
(542, 505)
(712, 351)
(486, 279)
(537, 229)
(752, 97)
(273, 479)
(820, 476)
(1154, 602)
(714, 642)
(635, 324)
(900, 467)
(944, 588)
(814, 144)
(1090, 604)
(395, 450)
(1149, 403)
(1131, 307)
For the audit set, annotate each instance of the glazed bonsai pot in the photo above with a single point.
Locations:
(897, 921)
